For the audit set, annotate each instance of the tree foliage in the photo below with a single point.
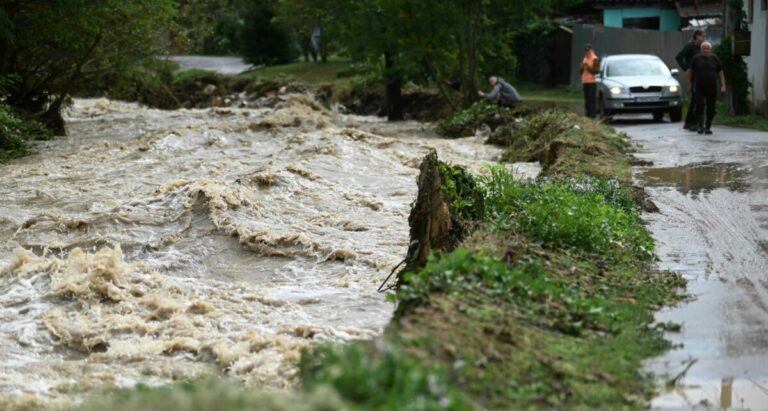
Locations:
(53, 48)
(263, 40)
(452, 41)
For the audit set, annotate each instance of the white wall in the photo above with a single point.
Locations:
(757, 65)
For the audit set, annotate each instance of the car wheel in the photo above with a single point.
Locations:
(658, 115)
(676, 114)
(601, 112)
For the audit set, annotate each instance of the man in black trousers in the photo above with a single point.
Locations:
(684, 58)
(703, 73)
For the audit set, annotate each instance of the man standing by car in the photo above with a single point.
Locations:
(703, 72)
(590, 66)
(684, 58)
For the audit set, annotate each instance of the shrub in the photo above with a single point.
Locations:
(383, 379)
(588, 214)
(15, 132)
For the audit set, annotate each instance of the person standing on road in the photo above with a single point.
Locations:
(684, 58)
(590, 66)
(703, 72)
(502, 92)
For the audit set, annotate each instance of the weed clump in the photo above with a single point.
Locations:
(465, 122)
(548, 301)
(567, 144)
(16, 133)
(591, 215)
(379, 379)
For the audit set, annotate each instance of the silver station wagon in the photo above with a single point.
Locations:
(638, 83)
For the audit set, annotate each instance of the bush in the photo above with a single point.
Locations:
(15, 132)
(261, 40)
(381, 379)
(589, 215)
(465, 122)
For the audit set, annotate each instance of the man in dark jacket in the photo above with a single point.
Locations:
(704, 71)
(684, 58)
(502, 92)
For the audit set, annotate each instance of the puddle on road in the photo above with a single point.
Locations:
(729, 394)
(695, 178)
(713, 229)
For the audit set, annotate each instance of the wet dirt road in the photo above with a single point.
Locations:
(712, 192)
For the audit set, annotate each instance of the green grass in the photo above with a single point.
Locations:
(750, 121)
(211, 394)
(537, 92)
(590, 215)
(305, 73)
(549, 312)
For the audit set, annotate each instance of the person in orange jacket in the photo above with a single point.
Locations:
(590, 66)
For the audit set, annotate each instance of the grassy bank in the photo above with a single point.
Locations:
(334, 71)
(750, 121)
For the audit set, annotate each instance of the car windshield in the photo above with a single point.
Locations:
(639, 67)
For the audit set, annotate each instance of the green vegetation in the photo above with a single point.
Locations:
(54, 49)
(540, 311)
(589, 215)
(735, 70)
(211, 394)
(332, 72)
(16, 133)
(381, 378)
(565, 143)
(750, 121)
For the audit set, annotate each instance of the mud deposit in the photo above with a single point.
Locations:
(712, 192)
(154, 245)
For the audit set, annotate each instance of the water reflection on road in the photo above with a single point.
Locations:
(712, 192)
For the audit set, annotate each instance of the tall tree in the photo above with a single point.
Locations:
(52, 48)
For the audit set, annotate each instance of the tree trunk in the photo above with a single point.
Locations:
(430, 217)
(470, 91)
(394, 90)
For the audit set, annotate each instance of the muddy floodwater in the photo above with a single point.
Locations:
(712, 193)
(152, 245)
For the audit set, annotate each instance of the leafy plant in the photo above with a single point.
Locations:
(589, 215)
(552, 302)
(379, 379)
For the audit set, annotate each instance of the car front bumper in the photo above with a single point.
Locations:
(643, 103)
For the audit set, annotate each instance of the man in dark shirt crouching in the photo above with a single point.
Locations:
(503, 93)
(703, 72)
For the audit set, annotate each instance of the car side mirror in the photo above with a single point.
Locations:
(675, 72)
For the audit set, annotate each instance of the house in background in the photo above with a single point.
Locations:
(638, 14)
(757, 62)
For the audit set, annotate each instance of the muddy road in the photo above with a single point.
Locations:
(153, 245)
(712, 192)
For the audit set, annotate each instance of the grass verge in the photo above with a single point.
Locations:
(750, 121)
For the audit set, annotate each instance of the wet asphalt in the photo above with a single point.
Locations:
(712, 226)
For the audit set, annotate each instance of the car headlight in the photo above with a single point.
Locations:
(615, 90)
(673, 88)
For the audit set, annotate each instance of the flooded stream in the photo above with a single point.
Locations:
(153, 245)
(712, 193)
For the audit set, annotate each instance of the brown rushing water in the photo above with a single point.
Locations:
(150, 245)
(712, 192)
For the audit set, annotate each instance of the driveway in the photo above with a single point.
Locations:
(712, 193)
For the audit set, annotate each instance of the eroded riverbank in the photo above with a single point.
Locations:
(152, 245)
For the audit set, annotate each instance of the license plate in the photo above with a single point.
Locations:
(646, 99)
